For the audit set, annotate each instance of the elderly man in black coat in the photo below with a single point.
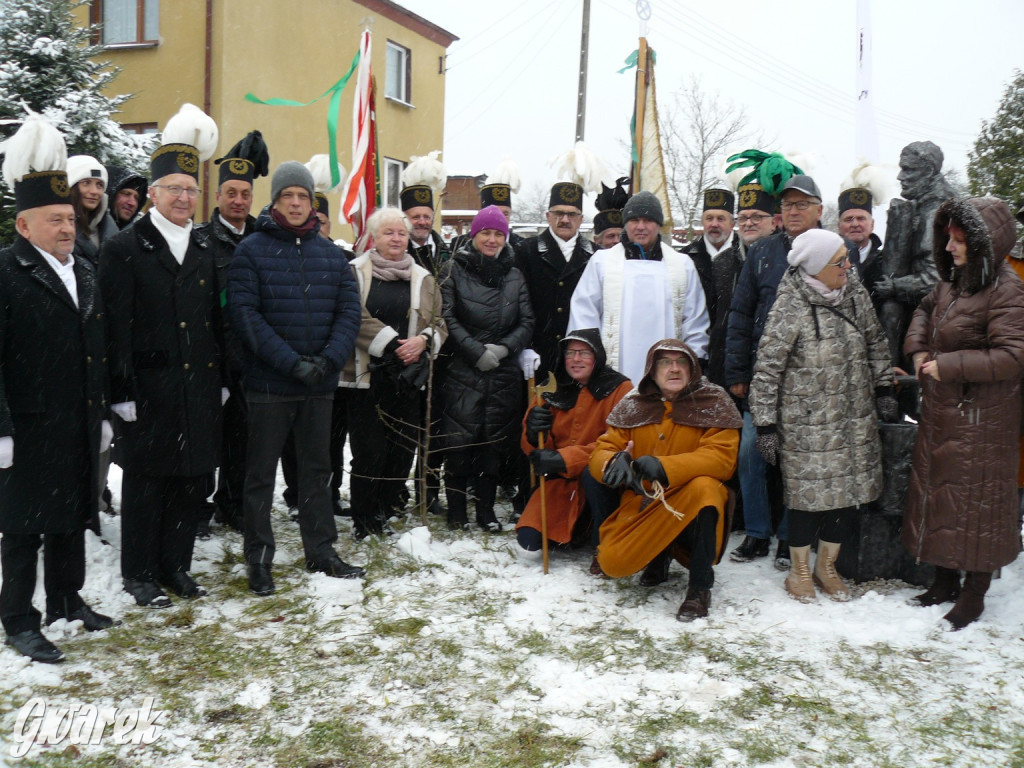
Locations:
(53, 406)
(165, 337)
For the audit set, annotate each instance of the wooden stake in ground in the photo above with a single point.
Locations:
(536, 393)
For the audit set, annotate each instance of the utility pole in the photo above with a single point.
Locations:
(581, 98)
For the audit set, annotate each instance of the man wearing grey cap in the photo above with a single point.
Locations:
(800, 203)
(295, 307)
(639, 292)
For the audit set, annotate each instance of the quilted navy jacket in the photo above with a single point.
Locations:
(291, 296)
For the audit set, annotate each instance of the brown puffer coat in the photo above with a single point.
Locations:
(961, 509)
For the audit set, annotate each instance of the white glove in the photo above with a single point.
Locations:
(225, 393)
(6, 452)
(106, 436)
(126, 411)
(529, 362)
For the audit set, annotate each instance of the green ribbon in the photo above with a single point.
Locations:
(332, 113)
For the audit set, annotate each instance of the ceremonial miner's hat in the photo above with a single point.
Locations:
(189, 138)
(35, 165)
(245, 161)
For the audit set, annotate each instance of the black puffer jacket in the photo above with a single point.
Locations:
(485, 302)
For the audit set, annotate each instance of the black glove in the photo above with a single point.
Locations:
(308, 372)
(650, 468)
(768, 444)
(887, 406)
(539, 419)
(619, 471)
(547, 462)
(414, 375)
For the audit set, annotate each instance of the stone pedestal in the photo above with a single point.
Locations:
(874, 550)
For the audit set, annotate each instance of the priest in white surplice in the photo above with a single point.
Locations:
(639, 292)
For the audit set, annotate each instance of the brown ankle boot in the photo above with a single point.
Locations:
(825, 575)
(695, 605)
(945, 588)
(799, 583)
(971, 603)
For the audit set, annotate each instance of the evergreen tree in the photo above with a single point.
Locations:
(996, 164)
(49, 64)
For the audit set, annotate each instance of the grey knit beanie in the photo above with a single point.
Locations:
(643, 204)
(291, 174)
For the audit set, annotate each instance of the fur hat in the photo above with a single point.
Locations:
(814, 249)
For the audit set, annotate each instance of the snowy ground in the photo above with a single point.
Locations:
(456, 652)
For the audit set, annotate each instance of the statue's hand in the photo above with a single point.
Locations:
(884, 287)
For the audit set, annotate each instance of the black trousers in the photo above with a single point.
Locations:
(270, 423)
(384, 426)
(158, 523)
(63, 576)
(835, 525)
(435, 460)
(231, 475)
(339, 433)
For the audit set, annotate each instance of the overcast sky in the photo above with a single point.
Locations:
(940, 68)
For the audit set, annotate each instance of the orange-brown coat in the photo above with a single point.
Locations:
(574, 435)
(697, 462)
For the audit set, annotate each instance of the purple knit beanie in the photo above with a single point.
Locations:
(490, 217)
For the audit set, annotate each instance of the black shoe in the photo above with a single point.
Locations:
(293, 513)
(184, 585)
(91, 621)
(435, 508)
(340, 510)
(782, 561)
(749, 549)
(147, 593)
(203, 530)
(656, 571)
(337, 568)
(260, 580)
(31, 643)
(509, 491)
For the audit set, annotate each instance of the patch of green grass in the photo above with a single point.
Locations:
(335, 743)
(406, 627)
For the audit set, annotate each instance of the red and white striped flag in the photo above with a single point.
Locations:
(362, 188)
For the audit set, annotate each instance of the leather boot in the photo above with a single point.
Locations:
(656, 571)
(486, 492)
(457, 518)
(799, 583)
(971, 602)
(695, 605)
(825, 575)
(945, 588)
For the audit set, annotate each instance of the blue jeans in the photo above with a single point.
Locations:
(757, 512)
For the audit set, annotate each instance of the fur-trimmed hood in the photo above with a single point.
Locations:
(701, 404)
(988, 226)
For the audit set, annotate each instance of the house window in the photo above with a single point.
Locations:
(399, 73)
(140, 128)
(124, 22)
(392, 181)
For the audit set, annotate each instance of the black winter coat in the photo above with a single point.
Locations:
(222, 242)
(725, 274)
(53, 394)
(165, 344)
(485, 302)
(698, 253)
(551, 281)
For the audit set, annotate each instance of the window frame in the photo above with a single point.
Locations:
(140, 41)
(388, 192)
(405, 86)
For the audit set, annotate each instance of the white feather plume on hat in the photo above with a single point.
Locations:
(37, 146)
(320, 167)
(873, 178)
(507, 172)
(581, 166)
(194, 127)
(427, 170)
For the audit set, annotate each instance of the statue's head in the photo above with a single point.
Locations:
(920, 168)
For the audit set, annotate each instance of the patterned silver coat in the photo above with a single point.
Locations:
(817, 370)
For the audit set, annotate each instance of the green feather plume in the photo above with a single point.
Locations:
(769, 169)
